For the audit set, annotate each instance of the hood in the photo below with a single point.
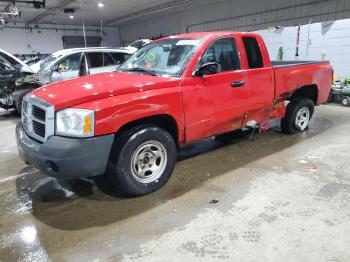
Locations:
(7, 54)
(14, 60)
(85, 89)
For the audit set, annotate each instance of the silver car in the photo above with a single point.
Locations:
(67, 64)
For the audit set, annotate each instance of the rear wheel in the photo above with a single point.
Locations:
(345, 101)
(298, 115)
(143, 161)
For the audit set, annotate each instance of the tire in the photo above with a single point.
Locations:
(345, 101)
(143, 160)
(299, 112)
(18, 104)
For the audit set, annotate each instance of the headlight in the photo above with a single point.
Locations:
(75, 123)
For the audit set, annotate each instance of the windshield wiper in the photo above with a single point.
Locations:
(139, 69)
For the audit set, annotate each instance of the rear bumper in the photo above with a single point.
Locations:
(65, 157)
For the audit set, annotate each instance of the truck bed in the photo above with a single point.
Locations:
(295, 63)
(291, 75)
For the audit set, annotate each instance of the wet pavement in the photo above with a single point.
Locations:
(274, 197)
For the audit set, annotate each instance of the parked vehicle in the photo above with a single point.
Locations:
(16, 80)
(341, 92)
(138, 44)
(131, 123)
(32, 61)
(66, 64)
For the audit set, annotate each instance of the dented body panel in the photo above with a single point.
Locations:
(290, 78)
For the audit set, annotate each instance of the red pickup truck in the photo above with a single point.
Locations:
(131, 123)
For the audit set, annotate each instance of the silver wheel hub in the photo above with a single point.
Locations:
(148, 162)
(302, 118)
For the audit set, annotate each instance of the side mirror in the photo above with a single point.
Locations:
(208, 69)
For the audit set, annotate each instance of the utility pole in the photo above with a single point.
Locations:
(298, 42)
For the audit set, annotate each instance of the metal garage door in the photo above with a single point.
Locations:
(78, 41)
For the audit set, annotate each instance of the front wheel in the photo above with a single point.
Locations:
(143, 161)
(18, 103)
(298, 115)
(345, 101)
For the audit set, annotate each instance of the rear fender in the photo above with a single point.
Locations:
(297, 79)
(308, 76)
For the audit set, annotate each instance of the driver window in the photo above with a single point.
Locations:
(224, 52)
(71, 63)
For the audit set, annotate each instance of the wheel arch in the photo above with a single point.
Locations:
(307, 91)
(165, 121)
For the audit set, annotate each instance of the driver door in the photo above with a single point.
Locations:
(217, 103)
(67, 68)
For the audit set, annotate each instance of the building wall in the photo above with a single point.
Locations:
(18, 40)
(327, 40)
(242, 15)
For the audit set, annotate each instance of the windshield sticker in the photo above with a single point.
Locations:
(151, 57)
(188, 42)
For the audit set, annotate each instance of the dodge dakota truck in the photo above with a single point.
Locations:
(130, 124)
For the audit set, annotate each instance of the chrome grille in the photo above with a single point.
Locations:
(38, 118)
(38, 113)
(39, 128)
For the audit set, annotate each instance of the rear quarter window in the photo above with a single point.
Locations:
(253, 52)
(119, 58)
(107, 60)
(95, 59)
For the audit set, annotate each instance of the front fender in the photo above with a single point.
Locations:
(112, 113)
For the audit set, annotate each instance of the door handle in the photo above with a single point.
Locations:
(238, 84)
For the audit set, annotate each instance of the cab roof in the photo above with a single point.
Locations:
(207, 35)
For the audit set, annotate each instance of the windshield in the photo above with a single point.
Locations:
(167, 57)
(44, 63)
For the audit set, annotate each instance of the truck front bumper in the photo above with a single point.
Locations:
(63, 157)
